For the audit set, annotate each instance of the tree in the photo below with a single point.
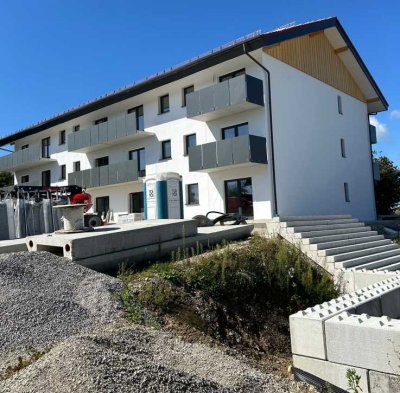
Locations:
(6, 179)
(387, 189)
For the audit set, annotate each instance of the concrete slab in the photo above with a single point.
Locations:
(383, 383)
(332, 373)
(15, 245)
(113, 238)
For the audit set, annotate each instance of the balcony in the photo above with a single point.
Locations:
(240, 150)
(222, 99)
(116, 130)
(23, 159)
(372, 134)
(106, 175)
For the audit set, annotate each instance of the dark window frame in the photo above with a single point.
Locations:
(63, 172)
(100, 160)
(100, 121)
(231, 75)
(139, 117)
(140, 194)
(235, 128)
(45, 173)
(185, 93)
(162, 106)
(187, 144)
(105, 198)
(46, 147)
(77, 166)
(346, 192)
(24, 179)
(163, 143)
(62, 138)
(238, 182)
(77, 127)
(141, 166)
(189, 199)
(26, 146)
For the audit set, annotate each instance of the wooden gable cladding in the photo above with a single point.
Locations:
(315, 56)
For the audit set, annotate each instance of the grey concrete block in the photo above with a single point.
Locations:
(384, 383)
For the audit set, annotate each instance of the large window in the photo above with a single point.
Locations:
(239, 196)
(101, 161)
(140, 156)
(102, 205)
(193, 194)
(46, 178)
(231, 75)
(136, 202)
(236, 130)
(166, 149)
(139, 117)
(164, 104)
(63, 172)
(46, 147)
(190, 140)
(185, 92)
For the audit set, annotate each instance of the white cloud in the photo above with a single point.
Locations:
(395, 114)
(381, 129)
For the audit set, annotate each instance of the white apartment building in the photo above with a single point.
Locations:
(272, 124)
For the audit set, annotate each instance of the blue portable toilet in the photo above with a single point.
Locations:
(163, 196)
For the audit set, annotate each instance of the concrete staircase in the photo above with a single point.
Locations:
(338, 243)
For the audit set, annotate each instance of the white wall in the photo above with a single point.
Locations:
(310, 171)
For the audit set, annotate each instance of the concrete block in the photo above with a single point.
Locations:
(332, 373)
(383, 383)
(390, 303)
(364, 341)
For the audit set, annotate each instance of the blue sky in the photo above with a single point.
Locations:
(57, 54)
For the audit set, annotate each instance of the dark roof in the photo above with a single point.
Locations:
(234, 49)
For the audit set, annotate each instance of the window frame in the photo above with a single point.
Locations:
(46, 147)
(75, 166)
(237, 181)
(346, 192)
(163, 143)
(62, 138)
(48, 171)
(343, 147)
(236, 130)
(184, 94)
(101, 158)
(141, 201)
(105, 197)
(162, 108)
(186, 142)
(231, 75)
(189, 200)
(136, 109)
(63, 172)
(26, 146)
(24, 177)
(100, 121)
(141, 172)
(340, 105)
(77, 128)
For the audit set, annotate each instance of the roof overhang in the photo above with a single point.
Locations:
(331, 26)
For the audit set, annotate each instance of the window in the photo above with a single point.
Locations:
(164, 104)
(63, 172)
(77, 128)
(165, 149)
(140, 157)
(24, 147)
(139, 117)
(193, 194)
(102, 205)
(239, 197)
(236, 130)
(102, 120)
(339, 104)
(46, 178)
(62, 137)
(190, 140)
(102, 161)
(136, 202)
(186, 91)
(343, 148)
(231, 75)
(77, 166)
(25, 179)
(346, 192)
(46, 147)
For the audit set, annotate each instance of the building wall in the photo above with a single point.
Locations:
(310, 170)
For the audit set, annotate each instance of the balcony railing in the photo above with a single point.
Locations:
(24, 158)
(233, 151)
(116, 130)
(106, 175)
(234, 95)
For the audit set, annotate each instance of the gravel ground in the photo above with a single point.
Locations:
(133, 359)
(44, 298)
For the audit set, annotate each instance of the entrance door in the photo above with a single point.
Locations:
(239, 197)
(46, 178)
(136, 203)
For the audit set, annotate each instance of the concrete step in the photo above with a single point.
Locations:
(317, 222)
(320, 241)
(369, 260)
(329, 232)
(309, 228)
(360, 253)
(381, 264)
(347, 242)
(361, 245)
(311, 218)
(392, 267)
